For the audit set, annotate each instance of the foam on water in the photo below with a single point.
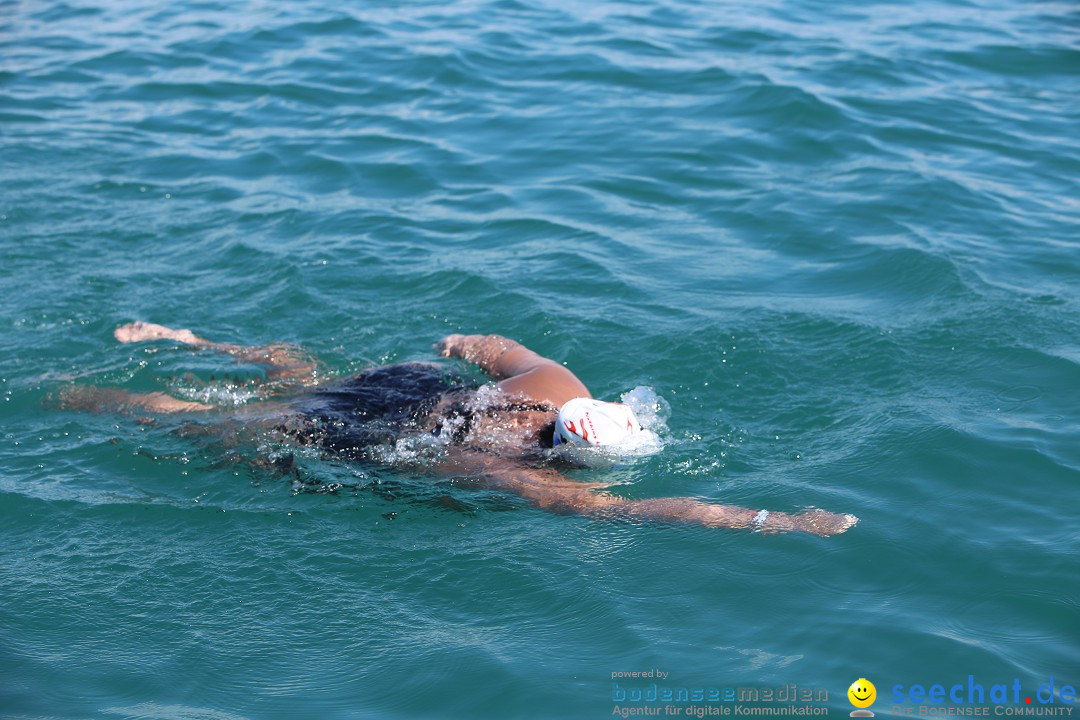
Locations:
(413, 449)
(220, 394)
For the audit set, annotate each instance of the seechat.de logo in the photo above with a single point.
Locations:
(862, 694)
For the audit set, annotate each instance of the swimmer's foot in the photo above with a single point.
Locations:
(824, 523)
(285, 362)
(139, 331)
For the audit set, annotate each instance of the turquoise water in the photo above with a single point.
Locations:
(838, 240)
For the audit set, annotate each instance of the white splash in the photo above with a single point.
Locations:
(219, 394)
(415, 448)
(652, 410)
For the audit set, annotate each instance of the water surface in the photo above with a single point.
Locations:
(839, 240)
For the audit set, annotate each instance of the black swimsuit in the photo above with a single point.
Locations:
(382, 404)
(375, 407)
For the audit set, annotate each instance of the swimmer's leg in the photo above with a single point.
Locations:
(89, 398)
(285, 363)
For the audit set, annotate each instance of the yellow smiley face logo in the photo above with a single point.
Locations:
(862, 693)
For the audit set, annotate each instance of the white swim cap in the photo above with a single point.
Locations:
(584, 421)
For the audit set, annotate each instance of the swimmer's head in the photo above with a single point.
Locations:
(585, 422)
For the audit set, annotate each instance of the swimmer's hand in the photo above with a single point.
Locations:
(824, 523)
(450, 346)
(482, 350)
(139, 331)
(816, 522)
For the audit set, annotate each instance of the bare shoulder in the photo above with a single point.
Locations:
(548, 382)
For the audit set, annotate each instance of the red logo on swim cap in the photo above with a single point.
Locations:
(570, 426)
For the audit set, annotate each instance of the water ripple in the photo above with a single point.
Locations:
(839, 240)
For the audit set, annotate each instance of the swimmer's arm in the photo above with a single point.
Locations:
(284, 362)
(519, 369)
(603, 506)
(554, 492)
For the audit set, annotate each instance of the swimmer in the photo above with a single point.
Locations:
(497, 436)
